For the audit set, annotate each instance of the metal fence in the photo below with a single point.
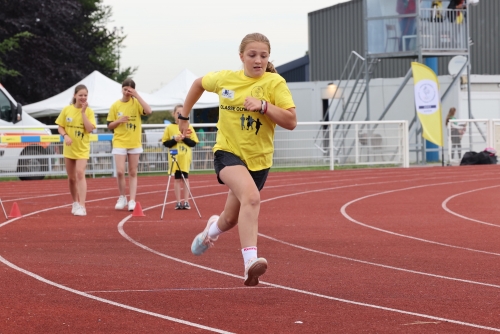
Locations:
(475, 135)
(443, 29)
(311, 144)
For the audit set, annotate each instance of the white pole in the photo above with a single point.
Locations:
(330, 140)
(5, 213)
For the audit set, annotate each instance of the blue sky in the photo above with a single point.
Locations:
(164, 37)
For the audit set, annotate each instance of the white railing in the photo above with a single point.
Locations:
(444, 30)
(356, 143)
(475, 135)
(364, 143)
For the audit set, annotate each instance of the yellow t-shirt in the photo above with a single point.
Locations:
(184, 152)
(247, 134)
(71, 120)
(127, 135)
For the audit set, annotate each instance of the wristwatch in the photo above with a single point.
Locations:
(182, 117)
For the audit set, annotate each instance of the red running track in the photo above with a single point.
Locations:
(361, 251)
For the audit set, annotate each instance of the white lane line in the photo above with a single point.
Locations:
(100, 190)
(445, 206)
(344, 213)
(177, 289)
(421, 315)
(379, 264)
(210, 269)
(87, 295)
(107, 301)
(275, 178)
(163, 191)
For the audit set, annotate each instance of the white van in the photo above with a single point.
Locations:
(27, 159)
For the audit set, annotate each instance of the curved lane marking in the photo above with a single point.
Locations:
(107, 301)
(379, 264)
(13, 266)
(347, 301)
(445, 207)
(87, 295)
(344, 213)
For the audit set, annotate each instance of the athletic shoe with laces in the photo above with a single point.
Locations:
(74, 207)
(81, 211)
(179, 206)
(121, 203)
(254, 268)
(131, 205)
(186, 206)
(202, 241)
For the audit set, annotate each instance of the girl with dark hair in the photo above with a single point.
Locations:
(243, 156)
(76, 122)
(124, 119)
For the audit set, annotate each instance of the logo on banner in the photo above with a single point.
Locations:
(426, 97)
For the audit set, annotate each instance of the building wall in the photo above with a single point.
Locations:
(296, 70)
(336, 31)
(296, 75)
(307, 98)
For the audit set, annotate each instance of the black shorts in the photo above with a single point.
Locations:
(178, 175)
(224, 159)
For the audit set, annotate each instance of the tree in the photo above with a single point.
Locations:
(120, 75)
(158, 117)
(9, 45)
(69, 40)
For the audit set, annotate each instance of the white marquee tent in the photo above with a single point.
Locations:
(178, 88)
(103, 92)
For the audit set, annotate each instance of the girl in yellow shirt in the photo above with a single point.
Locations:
(173, 139)
(76, 122)
(244, 148)
(124, 118)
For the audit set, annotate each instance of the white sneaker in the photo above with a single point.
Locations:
(202, 241)
(131, 205)
(254, 268)
(81, 211)
(121, 203)
(74, 207)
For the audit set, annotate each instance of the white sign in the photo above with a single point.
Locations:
(426, 97)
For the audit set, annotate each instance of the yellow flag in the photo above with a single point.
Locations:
(428, 102)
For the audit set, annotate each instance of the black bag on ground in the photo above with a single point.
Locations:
(475, 158)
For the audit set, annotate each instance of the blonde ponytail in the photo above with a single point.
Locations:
(270, 68)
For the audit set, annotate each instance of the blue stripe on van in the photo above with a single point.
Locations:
(30, 139)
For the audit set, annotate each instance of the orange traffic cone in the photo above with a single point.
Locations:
(14, 211)
(138, 210)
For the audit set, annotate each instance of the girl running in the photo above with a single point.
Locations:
(242, 155)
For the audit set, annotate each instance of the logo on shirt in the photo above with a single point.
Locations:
(257, 92)
(69, 119)
(120, 114)
(228, 94)
(247, 123)
(79, 134)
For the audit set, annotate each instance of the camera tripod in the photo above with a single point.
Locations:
(173, 154)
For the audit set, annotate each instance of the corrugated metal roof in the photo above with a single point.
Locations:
(337, 30)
